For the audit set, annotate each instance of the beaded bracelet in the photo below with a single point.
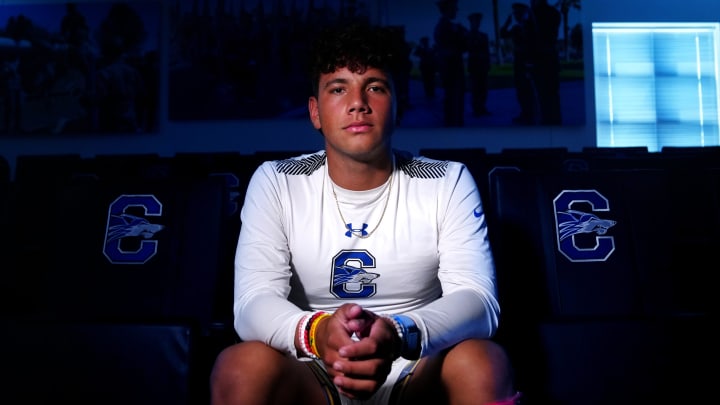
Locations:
(313, 330)
(303, 336)
(399, 331)
(306, 333)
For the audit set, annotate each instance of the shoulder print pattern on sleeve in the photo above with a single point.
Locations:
(423, 169)
(301, 166)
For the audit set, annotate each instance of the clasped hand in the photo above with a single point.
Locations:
(358, 348)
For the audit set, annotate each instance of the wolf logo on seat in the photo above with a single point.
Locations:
(570, 222)
(131, 225)
(122, 225)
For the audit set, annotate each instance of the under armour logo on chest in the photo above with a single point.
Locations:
(356, 231)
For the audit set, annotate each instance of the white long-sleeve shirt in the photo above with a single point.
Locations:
(427, 255)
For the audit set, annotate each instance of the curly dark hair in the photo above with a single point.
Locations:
(356, 46)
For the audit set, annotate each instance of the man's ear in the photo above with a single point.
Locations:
(314, 111)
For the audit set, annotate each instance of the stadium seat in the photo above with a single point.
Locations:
(108, 363)
(234, 169)
(107, 247)
(132, 247)
(594, 281)
(37, 180)
(620, 158)
(698, 157)
(530, 158)
(575, 232)
(474, 158)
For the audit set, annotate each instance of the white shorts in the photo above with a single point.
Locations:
(401, 371)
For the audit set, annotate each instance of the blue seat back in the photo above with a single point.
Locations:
(598, 272)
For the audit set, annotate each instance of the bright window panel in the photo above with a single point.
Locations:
(656, 84)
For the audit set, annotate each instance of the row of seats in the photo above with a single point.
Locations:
(603, 257)
(604, 262)
(117, 270)
(618, 266)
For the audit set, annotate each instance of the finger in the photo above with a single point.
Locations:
(372, 369)
(360, 327)
(361, 349)
(337, 334)
(356, 388)
(362, 323)
(347, 312)
(355, 311)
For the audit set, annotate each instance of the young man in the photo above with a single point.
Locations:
(363, 274)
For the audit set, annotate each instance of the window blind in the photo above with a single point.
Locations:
(656, 84)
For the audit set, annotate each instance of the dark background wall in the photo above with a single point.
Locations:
(247, 136)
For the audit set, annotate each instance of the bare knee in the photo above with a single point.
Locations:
(243, 365)
(479, 363)
(474, 371)
(235, 359)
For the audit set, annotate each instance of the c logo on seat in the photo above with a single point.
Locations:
(121, 224)
(570, 222)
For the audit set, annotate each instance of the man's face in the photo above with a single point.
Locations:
(355, 112)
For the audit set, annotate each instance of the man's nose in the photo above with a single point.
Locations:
(359, 103)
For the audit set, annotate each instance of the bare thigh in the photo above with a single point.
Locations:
(254, 373)
(474, 371)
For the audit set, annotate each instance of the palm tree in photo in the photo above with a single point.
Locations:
(564, 6)
(496, 23)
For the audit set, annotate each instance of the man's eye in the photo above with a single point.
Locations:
(377, 89)
(337, 90)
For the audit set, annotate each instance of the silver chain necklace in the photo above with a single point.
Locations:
(361, 233)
